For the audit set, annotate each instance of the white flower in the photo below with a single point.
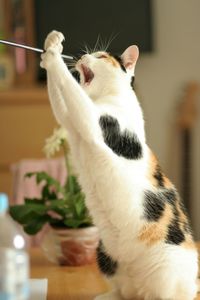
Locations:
(53, 143)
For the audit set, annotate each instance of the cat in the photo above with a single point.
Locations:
(146, 247)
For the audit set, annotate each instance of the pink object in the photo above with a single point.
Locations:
(71, 247)
(20, 54)
(27, 187)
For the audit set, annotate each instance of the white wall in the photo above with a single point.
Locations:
(162, 75)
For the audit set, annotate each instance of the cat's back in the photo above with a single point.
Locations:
(163, 211)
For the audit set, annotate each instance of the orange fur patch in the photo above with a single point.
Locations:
(154, 232)
(167, 183)
(182, 216)
(153, 165)
(189, 242)
(152, 168)
(183, 220)
(113, 61)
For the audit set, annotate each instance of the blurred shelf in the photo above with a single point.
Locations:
(31, 95)
(26, 121)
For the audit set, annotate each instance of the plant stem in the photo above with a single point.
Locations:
(66, 150)
(68, 167)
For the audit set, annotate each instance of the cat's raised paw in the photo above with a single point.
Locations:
(48, 57)
(54, 41)
(53, 47)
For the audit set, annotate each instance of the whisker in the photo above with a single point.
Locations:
(88, 49)
(97, 43)
(114, 36)
(72, 70)
(84, 50)
(75, 58)
(105, 44)
(111, 39)
(70, 65)
(100, 44)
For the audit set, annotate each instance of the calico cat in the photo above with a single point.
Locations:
(146, 249)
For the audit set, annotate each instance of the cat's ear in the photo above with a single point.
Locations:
(129, 57)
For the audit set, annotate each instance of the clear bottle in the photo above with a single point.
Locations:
(14, 261)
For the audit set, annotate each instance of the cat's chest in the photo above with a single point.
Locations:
(119, 113)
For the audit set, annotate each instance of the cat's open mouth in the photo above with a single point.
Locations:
(87, 73)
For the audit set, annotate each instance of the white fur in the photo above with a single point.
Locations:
(113, 185)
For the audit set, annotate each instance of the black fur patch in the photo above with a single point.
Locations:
(175, 235)
(124, 144)
(170, 196)
(154, 203)
(106, 264)
(187, 227)
(119, 59)
(132, 82)
(154, 206)
(159, 176)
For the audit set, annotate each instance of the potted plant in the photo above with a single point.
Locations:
(72, 239)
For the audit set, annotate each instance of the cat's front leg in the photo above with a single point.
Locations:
(53, 47)
(80, 108)
(57, 102)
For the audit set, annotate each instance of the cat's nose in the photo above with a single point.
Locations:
(85, 56)
(84, 59)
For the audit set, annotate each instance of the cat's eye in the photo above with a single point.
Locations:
(102, 56)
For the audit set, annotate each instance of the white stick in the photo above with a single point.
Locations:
(31, 48)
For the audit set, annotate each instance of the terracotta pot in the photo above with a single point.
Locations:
(71, 247)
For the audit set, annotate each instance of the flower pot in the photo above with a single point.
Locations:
(71, 247)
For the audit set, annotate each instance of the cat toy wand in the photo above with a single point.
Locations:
(31, 48)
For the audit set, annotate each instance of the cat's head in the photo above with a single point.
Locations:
(101, 72)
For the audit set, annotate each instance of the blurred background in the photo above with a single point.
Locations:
(167, 81)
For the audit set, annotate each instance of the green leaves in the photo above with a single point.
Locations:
(22, 213)
(31, 216)
(43, 176)
(73, 223)
(72, 185)
(35, 225)
(57, 205)
(79, 213)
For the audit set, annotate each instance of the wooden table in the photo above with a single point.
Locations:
(69, 283)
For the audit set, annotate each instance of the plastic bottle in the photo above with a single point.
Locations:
(14, 262)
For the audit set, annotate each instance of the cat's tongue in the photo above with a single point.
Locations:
(88, 74)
